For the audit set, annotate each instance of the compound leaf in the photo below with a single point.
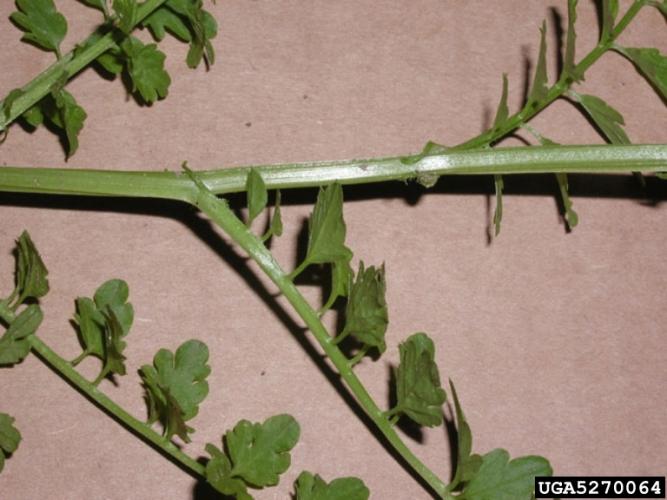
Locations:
(540, 82)
(418, 390)
(10, 437)
(146, 69)
(257, 195)
(31, 273)
(650, 63)
(14, 345)
(467, 463)
(326, 236)
(607, 118)
(503, 110)
(42, 23)
(366, 316)
(498, 478)
(313, 487)
(176, 385)
(259, 453)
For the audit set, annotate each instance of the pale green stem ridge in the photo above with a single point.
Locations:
(498, 161)
(223, 216)
(69, 64)
(139, 428)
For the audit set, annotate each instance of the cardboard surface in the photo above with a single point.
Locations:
(556, 340)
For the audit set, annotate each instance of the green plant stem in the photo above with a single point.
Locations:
(65, 370)
(178, 186)
(219, 212)
(70, 64)
(557, 90)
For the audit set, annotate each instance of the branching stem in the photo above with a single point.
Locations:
(137, 427)
(218, 211)
(557, 90)
(202, 193)
(70, 64)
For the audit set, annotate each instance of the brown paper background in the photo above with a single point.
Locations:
(556, 341)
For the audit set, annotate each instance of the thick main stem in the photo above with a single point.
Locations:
(137, 427)
(69, 64)
(500, 161)
(223, 216)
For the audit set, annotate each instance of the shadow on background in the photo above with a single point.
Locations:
(599, 186)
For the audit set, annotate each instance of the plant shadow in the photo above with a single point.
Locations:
(201, 490)
(452, 436)
(204, 491)
(605, 186)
